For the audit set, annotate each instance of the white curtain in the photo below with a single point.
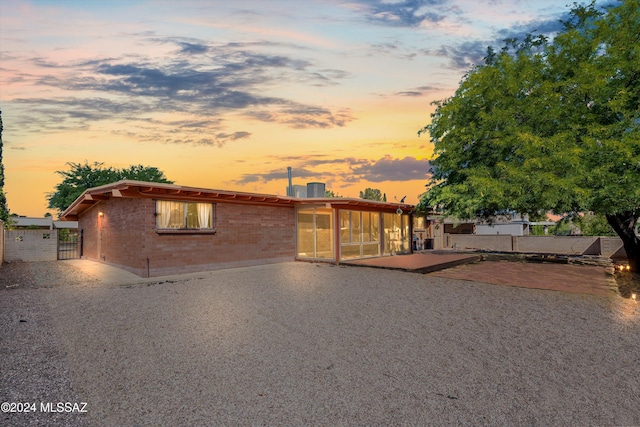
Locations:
(163, 209)
(204, 214)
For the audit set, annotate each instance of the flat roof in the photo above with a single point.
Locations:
(24, 221)
(154, 190)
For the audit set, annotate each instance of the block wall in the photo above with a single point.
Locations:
(564, 245)
(501, 243)
(31, 245)
(569, 245)
(125, 235)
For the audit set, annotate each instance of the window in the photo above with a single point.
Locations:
(359, 234)
(184, 215)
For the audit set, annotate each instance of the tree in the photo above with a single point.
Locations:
(548, 126)
(84, 176)
(593, 225)
(371, 194)
(4, 211)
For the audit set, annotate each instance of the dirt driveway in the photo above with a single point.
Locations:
(316, 344)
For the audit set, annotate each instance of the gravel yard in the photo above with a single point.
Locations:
(313, 344)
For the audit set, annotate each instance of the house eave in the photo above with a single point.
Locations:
(150, 190)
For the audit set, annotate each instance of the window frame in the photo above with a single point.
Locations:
(185, 229)
(351, 238)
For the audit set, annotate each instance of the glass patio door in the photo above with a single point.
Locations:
(315, 233)
(359, 234)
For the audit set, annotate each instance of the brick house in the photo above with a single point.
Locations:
(154, 229)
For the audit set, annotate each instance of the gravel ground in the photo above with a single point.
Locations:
(33, 365)
(314, 344)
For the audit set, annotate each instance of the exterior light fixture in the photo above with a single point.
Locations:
(100, 213)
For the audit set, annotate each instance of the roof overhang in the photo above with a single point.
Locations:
(357, 204)
(151, 190)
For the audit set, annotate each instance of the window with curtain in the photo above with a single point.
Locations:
(183, 215)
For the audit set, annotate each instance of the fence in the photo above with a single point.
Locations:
(31, 245)
(569, 245)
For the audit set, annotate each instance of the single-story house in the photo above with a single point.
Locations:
(154, 229)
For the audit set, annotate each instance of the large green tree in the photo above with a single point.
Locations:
(83, 176)
(373, 194)
(548, 126)
(4, 211)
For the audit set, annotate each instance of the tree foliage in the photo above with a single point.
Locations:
(84, 176)
(548, 126)
(591, 224)
(4, 210)
(372, 194)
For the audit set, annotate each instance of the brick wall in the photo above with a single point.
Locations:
(88, 224)
(125, 236)
(31, 245)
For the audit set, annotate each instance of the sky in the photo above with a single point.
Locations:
(227, 94)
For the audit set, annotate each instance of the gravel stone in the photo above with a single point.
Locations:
(33, 365)
(314, 344)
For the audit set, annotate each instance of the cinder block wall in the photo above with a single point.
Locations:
(502, 242)
(570, 245)
(566, 245)
(612, 247)
(31, 245)
(125, 236)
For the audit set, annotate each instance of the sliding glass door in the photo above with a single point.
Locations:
(315, 233)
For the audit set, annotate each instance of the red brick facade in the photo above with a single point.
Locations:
(118, 222)
(122, 232)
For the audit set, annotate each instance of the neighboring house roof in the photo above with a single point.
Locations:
(46, 222)
(153, 190)
(497, 220)
(23, 221)
(65, 224)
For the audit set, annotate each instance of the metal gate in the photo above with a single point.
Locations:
(69, 244)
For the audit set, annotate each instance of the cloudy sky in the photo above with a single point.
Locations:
(227, 94)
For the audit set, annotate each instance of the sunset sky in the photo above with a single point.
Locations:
(227, 94)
